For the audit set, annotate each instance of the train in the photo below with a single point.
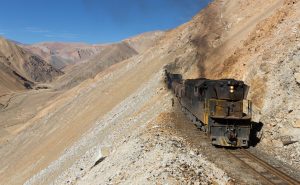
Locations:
(218, 107)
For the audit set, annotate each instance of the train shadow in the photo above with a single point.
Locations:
(255, 133)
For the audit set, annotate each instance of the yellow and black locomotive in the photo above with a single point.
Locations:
(218, 107)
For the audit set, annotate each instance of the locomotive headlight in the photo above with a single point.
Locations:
(231, 89)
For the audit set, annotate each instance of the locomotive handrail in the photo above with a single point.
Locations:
(231, 117)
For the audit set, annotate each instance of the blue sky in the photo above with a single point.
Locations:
(91, 21)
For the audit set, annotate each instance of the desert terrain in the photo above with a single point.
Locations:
(74, 113)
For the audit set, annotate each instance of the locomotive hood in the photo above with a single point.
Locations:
(226, 89)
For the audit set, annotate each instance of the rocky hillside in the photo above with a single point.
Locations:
(260, 47)
(117, 126)
(144, 41)
(20, 69)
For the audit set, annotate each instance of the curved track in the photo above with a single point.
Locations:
(240, 164)
(267, 173)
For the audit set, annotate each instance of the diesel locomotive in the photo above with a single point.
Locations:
(218, 107)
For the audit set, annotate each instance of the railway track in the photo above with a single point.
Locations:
(263, 172)
(267, 173)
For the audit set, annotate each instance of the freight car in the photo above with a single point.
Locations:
(218, 107)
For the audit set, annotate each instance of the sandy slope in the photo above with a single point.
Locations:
(73, 112)
(87, 103)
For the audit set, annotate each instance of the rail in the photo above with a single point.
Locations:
(268, 173)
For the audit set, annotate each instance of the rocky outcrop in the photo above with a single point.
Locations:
(39, 70)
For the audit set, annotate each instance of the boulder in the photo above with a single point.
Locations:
(296, 124)
(105, 151)
(277, 143)
(297, 77)
(287, 140)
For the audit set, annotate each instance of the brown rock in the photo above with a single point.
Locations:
(105, 151)
(277, 143)
(287, 140)
(296, 124)
(297, 77)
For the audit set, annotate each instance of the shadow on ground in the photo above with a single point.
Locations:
(255, 133)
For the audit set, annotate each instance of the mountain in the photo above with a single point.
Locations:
(109, 55)
(61, 55)
(21, 69)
